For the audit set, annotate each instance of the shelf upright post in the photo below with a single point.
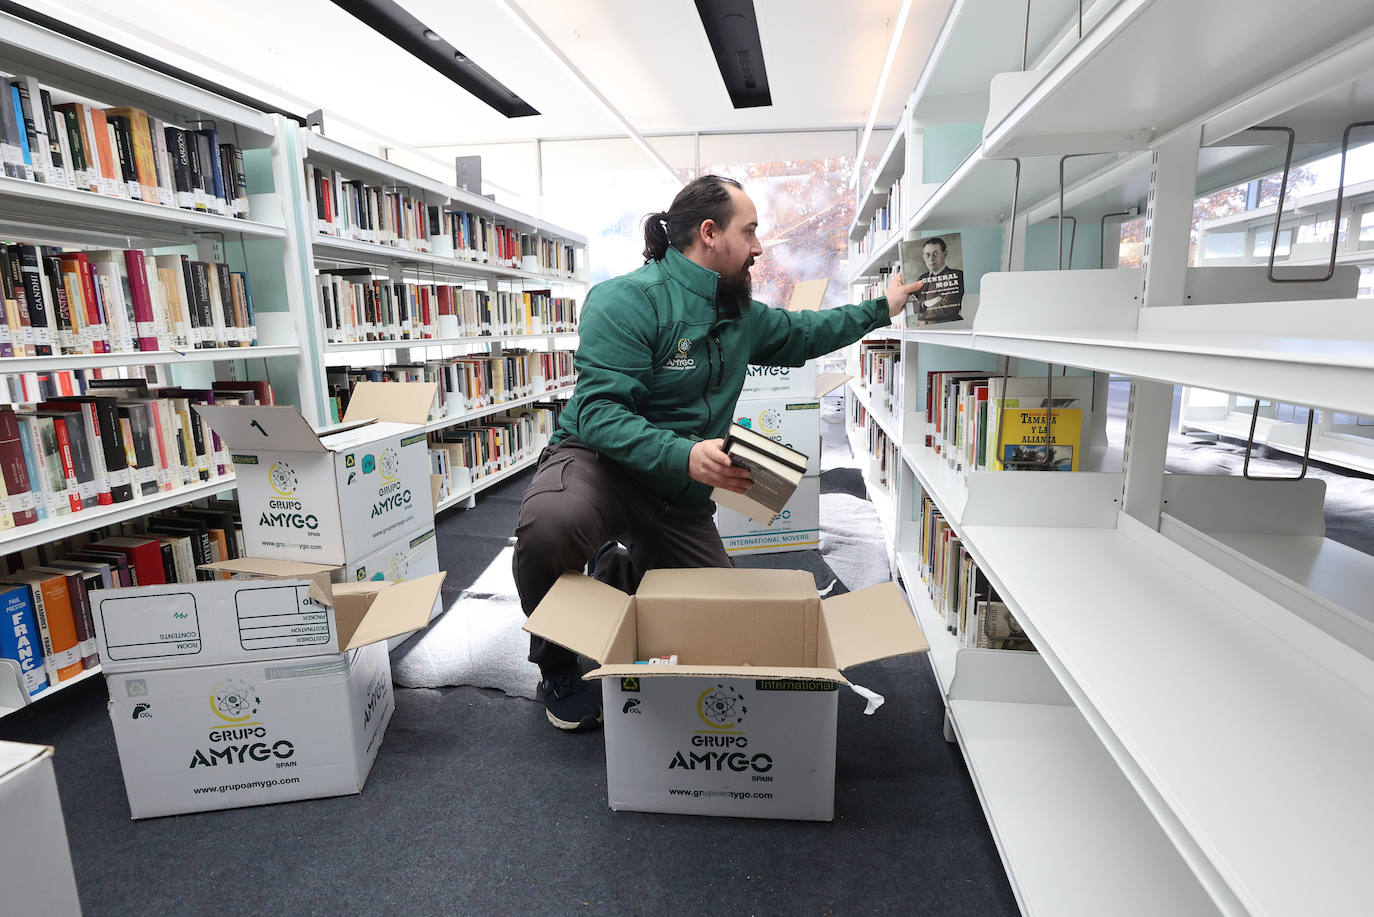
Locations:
(298, 261)
(1168, 224)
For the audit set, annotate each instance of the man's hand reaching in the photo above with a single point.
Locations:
(709, 464)
(897, 292)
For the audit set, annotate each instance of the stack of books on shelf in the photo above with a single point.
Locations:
(358, 306)
(465, 383)
(118, 301)
(542, 255)
(962, 596)
(45, 592)
(880, 371)
(121, 441)
(968, 413)
(124, 152)
(464, 455)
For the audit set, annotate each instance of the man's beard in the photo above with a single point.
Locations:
(735, 291)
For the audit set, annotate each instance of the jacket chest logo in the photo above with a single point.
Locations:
(682, 359)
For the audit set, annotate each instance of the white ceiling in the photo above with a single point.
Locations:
(649, 58)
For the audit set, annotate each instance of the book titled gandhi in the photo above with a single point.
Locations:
(775, 471)
(938, 261)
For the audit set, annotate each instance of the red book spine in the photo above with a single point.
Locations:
(64, 449)
(16, 473)
(328, 201)
(95, 314)
(146, 333)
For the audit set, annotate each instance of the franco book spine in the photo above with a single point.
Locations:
(19, 638)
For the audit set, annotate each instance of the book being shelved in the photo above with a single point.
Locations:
(119, 441)
(58, 302)
(45, 592)
(464, 455)
(465, 383)
(965, 409)
(358, 306)
(53, 138)
(960, 592)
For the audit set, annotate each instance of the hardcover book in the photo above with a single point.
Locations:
(774, 469)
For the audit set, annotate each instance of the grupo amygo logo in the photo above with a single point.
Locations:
(390, 465)
(282, 478)
(234, 700)
(721, 707)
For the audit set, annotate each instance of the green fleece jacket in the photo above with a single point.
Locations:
(659, 370)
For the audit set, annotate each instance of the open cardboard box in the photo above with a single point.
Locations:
(335, 495)
(275, 685)
(744, 724)
(269, 609)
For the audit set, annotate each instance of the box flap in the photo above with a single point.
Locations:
(373, 611)
(828, 382)
(270, 568)
(873, 623)
(436, 487)
(15, 755)
(260, 428)
(807, 295)
(585, 616)
(398, 402)
(724, 617)
(717, 671)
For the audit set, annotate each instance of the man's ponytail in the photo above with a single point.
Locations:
(707, 198)
(655, 237)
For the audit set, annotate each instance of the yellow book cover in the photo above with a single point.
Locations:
(1024, 440)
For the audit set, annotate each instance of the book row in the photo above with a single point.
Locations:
(880, 371)
(45, 593)
(883, 451)
(464, 455)
(119, 301)
(119, 152)
(961, 593)
(362, 212)
(124, 441)
(886, 218)
(981, 421)
(359, 307)
(466, 383)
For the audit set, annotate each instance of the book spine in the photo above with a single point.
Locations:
(67, 463)
(39, 321)
(10, 156)
(19, 637)
(67, 335)
(40, 615)
(15, 471)
(146, 329)
(98, 328)
(178, 150)
(122, 146)
(35, 139)
(61, 172)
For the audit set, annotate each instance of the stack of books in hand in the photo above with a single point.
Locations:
(775, 471)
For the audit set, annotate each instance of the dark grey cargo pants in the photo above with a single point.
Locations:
(578, 501)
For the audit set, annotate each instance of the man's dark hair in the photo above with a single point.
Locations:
(935, 240)
(707, 198)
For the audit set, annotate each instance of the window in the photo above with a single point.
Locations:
(1260, 248)
(1224, 245)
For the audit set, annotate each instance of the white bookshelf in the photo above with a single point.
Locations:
(398, 262)
(1205, 671)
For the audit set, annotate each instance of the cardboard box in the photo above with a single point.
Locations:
(271, 610)
(797, 527)
(250, 733)
(337, 495)
(409, 557)
(789, 383)
(744, 725)
(35, 861)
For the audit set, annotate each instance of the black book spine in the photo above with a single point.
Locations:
(124, 147)
(112, 445)
(169, 562)
(192, 306)
(54, 138)
(62, 309)
(39, 315)
(219, 187)
(206, 160)
(199, 290)
(197, 168)
(226, 297)
(180, 155)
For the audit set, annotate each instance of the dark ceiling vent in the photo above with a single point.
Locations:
(733, 30)
(426, 45)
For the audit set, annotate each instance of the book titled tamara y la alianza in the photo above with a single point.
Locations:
(775, 471)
